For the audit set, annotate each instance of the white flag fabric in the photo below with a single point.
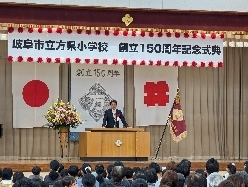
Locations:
(155, 89)
(92, 89)
(35, 87)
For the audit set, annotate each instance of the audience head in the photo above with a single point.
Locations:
(86, 168)
(89, 180)
(17, 176)
(128, 172)
(54, 165)
(73, 171)
(107, 184)
(231, 168)
(139, 183)
(202, 172)
(184, 167)
(244, 176)
(118, 163)
(236, 180)
(245, 164)
(61, 167)
(63, 173)
(155, 166)
(212, 166)
(36, 170)
(118, 173)
(69, 181)
(169, 179)
(139, 175)
(53, 175)
(171, 166)
(214, 179)
(25, 182)
(226, 183)
(151, 175)
(58, 183)
(181, 180)
(7, 174)
(109, 170)
(99, 169)
(196, 180)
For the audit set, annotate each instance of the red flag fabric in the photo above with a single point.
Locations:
(177, 122)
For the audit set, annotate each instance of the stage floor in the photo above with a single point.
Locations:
(27, 165)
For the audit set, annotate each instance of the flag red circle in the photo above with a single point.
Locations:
(35, 93)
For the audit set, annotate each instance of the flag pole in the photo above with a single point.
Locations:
(168, 119)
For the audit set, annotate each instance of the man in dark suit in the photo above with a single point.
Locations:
(112, 116)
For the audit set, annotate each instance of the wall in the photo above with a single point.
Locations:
(209, 5)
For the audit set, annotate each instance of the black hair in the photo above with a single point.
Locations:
(155, 166)
(63, 173)
(58, 184)
(99, 171)
(73, 170)
(226, 183)
(36, 170)
(17, 176)
(139, 183)
(128, 172)
(1, 173)
(184, 167)
(196, 180)
(117, 174)
(89, 180)
(107, 184)
(7, 174)
(68, 180)
(202, 172)
(151, 175)
(212, 166)
(104, 174)
(86, 168)
(181, 180)
(244, 176)
(25, 182)
(139, 175)
(113, 101)
(136, 169)
(232, 168)
(40, 182)
(61, 167)
(109, 170)
(118, 163)
(53, 175)
(54, 165)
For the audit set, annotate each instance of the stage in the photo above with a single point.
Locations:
(27, 165)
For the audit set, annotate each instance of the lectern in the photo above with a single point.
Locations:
(111, 144)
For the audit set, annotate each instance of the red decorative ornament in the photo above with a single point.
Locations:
(69, 31)
(106, 32)
(160, 34)
(220, 64)
(177, 34)
(168, 34)
(134, 62)
(105, 61)
(125, 33)
(77, 60)
(203, 35)
(210, 64)
(59, 30)
(20, 29)
(88, 32)
(151, 34)
(213, 35)
(79, 31)
(133, 33)
(57, 60)
(10, 58)
(194, 35)
(39, 60)
(185, 63)
(98, 32)
(87, 61)
(68, 60)
(30, 59)
(175, 63)
(96, 61)
(159, 63)
(142, 63)
(202, 64)
(20, 59)
(167, 63)
(49, 30)
(150, 63)
(124, 62)
(194, 64)
(116, 32)
(115, 61)
(30, 30)
(10, 29)
(49, 60)
(142, 33)
(222, 35)
(186, 35)
(40, 30)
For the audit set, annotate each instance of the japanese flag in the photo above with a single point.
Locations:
(35, 87)
(155, 89)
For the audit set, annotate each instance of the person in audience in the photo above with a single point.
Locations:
(89, 180)
(169, 179)
(215, 179)
(40, 182)
(139, 175)
(128, 174)
(118, 177)
(236, 180)
(17, 176)
(245, 164)
(1, 174)
(86, 169)
(58, 183)
(61, 167)
(107, 184)
(244, 176)
(184, 167)
(118, 163)
(99, 171)
(139, 183)
(158, 170)
(63, 173)
(69, 181)
(6, 179)
(231, 169)
(104, 174)
(151, 177)
(171, 166)
(52, 177)
(226, 183)
(36, 173)
(181, 180)
(202, 172)
(26, 182)
(109, 170)
(54, 165)
(73, 171)
(135, 169)
(196, 180)
(212, 168)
